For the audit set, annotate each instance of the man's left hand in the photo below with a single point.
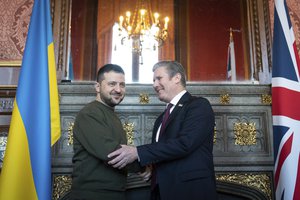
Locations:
(123, 156)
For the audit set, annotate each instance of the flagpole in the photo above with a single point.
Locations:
(231, 65)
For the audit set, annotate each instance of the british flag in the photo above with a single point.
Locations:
(285, 106)
(231, 68)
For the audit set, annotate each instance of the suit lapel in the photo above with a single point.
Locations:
(183, 100)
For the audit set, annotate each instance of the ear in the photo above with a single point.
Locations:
(97, 87)
(177, 78)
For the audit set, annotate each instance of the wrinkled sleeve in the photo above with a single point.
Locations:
(92, 131)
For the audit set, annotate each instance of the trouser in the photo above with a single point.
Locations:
(155, 195)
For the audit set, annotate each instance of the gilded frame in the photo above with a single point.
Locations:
(15, 32)
(10, 63)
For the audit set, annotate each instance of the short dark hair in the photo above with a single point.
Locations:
(173, 67)
(107, 68)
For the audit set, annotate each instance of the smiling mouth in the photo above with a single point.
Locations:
(117, 95)
(158, 90)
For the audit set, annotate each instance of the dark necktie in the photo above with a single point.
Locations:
(163, 123)
(165, 118)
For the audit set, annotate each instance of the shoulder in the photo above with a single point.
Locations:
(199, 104)
(92, 108)
(200, 99)
(191, 99)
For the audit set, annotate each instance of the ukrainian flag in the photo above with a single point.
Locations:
(35, 123)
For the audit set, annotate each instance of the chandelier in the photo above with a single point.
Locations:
(142, 29)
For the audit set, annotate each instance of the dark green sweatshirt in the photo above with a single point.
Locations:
(97, 132)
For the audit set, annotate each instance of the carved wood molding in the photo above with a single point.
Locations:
(63, 31)
(144, 98)
(244, 133)
(259, 181)
(266, 99)
(129, 130)
(268, 32)
(61, 186)
(257, 42)
(225, 98)
(70, 133)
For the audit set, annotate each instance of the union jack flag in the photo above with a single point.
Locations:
(231, 68)
(285, 106)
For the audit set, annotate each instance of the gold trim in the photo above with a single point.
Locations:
(52, 7)
(61, 185)
(257, 43)
(10, 63)
(70, 133)
(244, 133)
(144, 98)
(129, 129)
(260, 182)
(61, 39)
(268, 32)
(266, 99)
(225, 99)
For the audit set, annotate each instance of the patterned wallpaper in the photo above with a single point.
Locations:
(15, 17)
(14, 20)
(294, 10)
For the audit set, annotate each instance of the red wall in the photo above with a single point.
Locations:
(209, 24)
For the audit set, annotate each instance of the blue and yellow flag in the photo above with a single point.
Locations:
(35, 123)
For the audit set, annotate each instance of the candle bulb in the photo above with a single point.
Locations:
(156, 15)
(129, 28)
(128, 17)
(121, 21)
(166, 22)
(142, 11)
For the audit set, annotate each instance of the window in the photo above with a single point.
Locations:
(122, 55)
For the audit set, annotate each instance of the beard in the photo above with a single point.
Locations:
(111, 99)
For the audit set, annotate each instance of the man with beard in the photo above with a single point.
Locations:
(98, 131)
(182, 141)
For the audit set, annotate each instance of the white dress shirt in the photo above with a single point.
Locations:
(174, 101)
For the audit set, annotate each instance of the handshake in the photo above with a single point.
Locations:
(124, 156)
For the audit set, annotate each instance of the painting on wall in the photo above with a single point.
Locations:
(294, 11)
(14, 19)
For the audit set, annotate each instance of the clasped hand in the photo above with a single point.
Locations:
(122, 156)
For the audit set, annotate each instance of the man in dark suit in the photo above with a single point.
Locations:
(181, 150)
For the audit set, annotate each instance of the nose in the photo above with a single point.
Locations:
(119, 87)
(155, 83)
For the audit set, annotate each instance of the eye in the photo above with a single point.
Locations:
(122, 85)
(112, 84)
(158, 78)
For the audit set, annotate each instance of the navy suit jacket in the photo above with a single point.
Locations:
(183, 154)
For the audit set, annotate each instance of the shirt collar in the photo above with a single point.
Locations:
(175, 100)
